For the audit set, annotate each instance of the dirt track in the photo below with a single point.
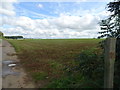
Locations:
(15, 76)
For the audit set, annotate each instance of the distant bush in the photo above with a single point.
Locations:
(13, 37)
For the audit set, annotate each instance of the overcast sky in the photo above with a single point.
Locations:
(52, 19)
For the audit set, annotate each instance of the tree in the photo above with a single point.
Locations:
(1, 34)
(111, 26)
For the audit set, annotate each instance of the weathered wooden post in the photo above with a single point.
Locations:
(110, 49)
(0, 64)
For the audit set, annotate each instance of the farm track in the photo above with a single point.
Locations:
(15, 76)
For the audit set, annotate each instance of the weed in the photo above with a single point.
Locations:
(91, 65)
(39, 76)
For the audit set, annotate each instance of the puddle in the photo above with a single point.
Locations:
(7, 69)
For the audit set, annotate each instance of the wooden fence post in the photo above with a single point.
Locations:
(0, 64)
(110, 49)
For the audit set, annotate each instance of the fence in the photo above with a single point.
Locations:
(117, 64)
(112, 63)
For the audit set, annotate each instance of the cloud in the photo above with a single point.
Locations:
(77, 23)
(63, 26)
(7, 12)
(7, 8)
(40, 5)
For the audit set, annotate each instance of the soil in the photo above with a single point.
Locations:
(13, 75)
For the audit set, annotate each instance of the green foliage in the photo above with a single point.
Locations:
(111, 26)
(1, 34)
(13, 37)
(55, 65)
(87, 73)
(39, 76)
(73, 81)
(90, 63)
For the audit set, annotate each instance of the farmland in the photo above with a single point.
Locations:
(48, 61)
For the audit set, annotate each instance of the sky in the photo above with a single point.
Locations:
(52, 20)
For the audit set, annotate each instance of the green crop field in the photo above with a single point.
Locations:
(47, 60)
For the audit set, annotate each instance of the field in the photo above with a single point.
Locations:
(48, 61)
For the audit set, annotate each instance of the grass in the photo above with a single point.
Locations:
(47, 60)
(0, 40)
(39, 76)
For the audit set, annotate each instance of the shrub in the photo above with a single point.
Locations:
(90, 64)
(87, 72)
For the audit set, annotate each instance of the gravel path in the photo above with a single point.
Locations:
(13, 75)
